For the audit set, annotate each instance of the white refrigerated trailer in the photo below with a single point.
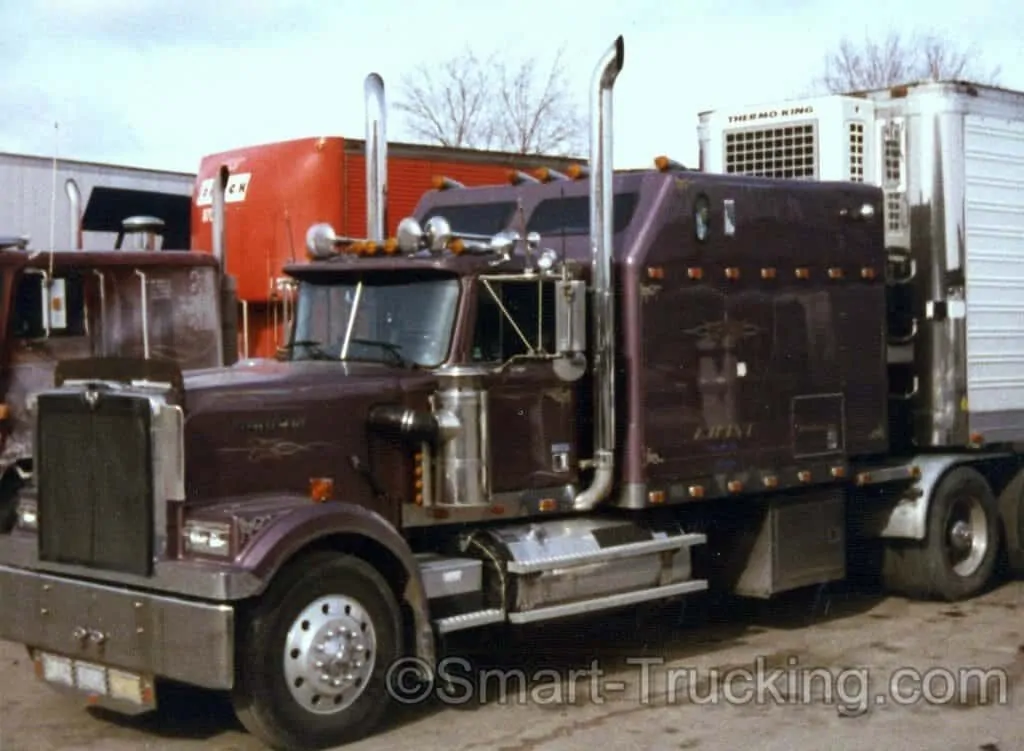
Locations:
(949, 156)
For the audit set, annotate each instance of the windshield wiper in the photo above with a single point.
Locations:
(395, 350)
(315, 349)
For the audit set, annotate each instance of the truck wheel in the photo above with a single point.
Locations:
(1011, 510)
(956, 559)
(10, 484)
(314, 652)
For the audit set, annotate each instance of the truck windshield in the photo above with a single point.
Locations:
(99, 313)
(399, 320)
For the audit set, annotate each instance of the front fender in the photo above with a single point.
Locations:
(308, 524)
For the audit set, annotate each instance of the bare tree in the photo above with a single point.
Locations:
(447, 102)
(895, 59)
(472, 102)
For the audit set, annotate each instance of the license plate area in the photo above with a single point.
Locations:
(105, 686)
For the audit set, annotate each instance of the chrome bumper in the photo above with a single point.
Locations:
(203, 581)
(190, 642)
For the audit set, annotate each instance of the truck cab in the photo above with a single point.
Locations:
(136, 301)
(535, 401)
(95, 304)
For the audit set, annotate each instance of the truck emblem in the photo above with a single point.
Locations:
(723, 333)
(724, 431)
(273, 423)
(91, 397)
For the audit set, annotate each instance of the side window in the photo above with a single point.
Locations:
(65, 300)
(498, 336)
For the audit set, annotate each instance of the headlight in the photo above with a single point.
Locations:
(207, 538)
(28, 516)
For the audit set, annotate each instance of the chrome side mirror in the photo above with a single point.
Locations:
(504, 243)
(570, 329)
(410, 235)
(438, 233)
(320, 240)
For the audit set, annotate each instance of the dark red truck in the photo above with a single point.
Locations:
(135, 301)
(536, 401)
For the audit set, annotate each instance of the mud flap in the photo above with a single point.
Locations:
(1011, 512)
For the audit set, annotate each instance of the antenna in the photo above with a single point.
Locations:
(561, 191)
(521, 216)
(53, 196)
(53, 200)
(288, 227)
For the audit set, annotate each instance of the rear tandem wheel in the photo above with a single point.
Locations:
(957, 558)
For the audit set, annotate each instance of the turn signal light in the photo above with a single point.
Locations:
(321, 489)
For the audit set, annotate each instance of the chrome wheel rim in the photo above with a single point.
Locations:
(330, 652)
(967, 536)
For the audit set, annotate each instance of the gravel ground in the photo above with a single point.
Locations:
(647, 680)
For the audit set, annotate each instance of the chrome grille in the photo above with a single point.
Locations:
(94, 473)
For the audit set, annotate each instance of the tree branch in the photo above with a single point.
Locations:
(468, 102)
(894, 59)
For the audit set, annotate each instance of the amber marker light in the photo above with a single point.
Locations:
(321, 489)
(577, 171)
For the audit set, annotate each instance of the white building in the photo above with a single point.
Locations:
(110, 193)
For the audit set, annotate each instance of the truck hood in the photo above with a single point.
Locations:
(264, 426)
(275, 384)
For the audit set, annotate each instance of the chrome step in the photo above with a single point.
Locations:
(606, 603)
(469, 620)
(618, 552)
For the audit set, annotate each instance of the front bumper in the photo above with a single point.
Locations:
(157, 635)
(202, 580)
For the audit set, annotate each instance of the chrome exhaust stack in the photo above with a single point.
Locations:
(218, 222)
(228, 285)
(601, 217)
(376, 159)
(75, 199)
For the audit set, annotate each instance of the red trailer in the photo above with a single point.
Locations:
(278, 190)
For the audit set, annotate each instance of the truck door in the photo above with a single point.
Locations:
(531, 412)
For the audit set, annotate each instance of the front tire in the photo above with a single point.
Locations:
(314, 653)
(957, 558)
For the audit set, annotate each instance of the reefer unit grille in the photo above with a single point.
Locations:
(785, 152)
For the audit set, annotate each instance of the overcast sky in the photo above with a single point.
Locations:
(159, 83)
